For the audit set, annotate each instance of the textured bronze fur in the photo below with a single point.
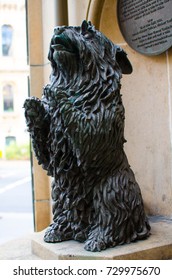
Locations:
(77, 132)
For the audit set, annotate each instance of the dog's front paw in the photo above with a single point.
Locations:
(34, 111)
(54, 235)
(31, 104)
(95, 242)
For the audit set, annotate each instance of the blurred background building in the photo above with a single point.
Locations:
(13, 79)
(16, 212)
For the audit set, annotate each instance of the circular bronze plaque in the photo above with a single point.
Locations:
(146, 24)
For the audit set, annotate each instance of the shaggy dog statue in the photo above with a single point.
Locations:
(77, 132)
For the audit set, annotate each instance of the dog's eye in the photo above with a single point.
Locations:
(88, 35)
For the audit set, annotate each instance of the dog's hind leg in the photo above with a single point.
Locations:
(100, 236)
(60, 229)
(70, 215)
(119, 213)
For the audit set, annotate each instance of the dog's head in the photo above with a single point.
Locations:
(82, 49)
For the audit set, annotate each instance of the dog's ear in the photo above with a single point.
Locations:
(123, 61)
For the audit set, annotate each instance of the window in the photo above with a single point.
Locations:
(8, 98)
(7, 35)
(9, 140)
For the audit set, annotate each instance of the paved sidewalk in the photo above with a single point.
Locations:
(16, 213)
(15, 225)
(18, 249)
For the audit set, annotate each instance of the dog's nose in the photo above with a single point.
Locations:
(59, 29)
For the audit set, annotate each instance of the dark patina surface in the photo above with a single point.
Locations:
(77, 132)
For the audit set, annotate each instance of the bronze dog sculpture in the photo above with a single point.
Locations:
(77, 132)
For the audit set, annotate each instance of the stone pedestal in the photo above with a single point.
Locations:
(157, 247)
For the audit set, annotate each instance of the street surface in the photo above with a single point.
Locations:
(16, 213)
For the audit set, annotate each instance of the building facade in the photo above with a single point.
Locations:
(13, 73)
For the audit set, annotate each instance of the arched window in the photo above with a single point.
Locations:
(8, 98)
(7, 35)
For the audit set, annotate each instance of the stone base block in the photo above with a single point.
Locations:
(157, 247)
